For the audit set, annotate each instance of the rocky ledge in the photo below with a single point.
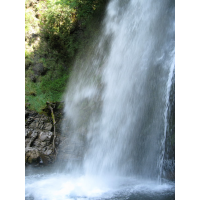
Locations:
(39, 134)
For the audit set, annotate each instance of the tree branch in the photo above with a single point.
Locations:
(51, 106)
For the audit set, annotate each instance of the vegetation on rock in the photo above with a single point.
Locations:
(54, 31)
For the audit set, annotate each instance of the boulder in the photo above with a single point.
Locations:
(45, 136)
(32, 155)
(48, 126)
(48, 152)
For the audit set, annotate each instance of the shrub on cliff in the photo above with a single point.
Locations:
(53, 33)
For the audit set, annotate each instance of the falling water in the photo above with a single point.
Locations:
(168, 87)
(117, 99)
(116, 103)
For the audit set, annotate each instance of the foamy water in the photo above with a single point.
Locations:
(64, 187)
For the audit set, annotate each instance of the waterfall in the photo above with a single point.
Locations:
(116, 109)
(116, 102)
(169, 84)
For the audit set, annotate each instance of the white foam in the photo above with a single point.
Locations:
(63, 187)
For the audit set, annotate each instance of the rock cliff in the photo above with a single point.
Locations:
(39, 139)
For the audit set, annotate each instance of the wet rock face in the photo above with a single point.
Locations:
(39, 139)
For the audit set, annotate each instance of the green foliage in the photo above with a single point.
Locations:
(83, 9)
(43, 90)
(59, 23)
(49, 87)
(53, 33)
(54, 88)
